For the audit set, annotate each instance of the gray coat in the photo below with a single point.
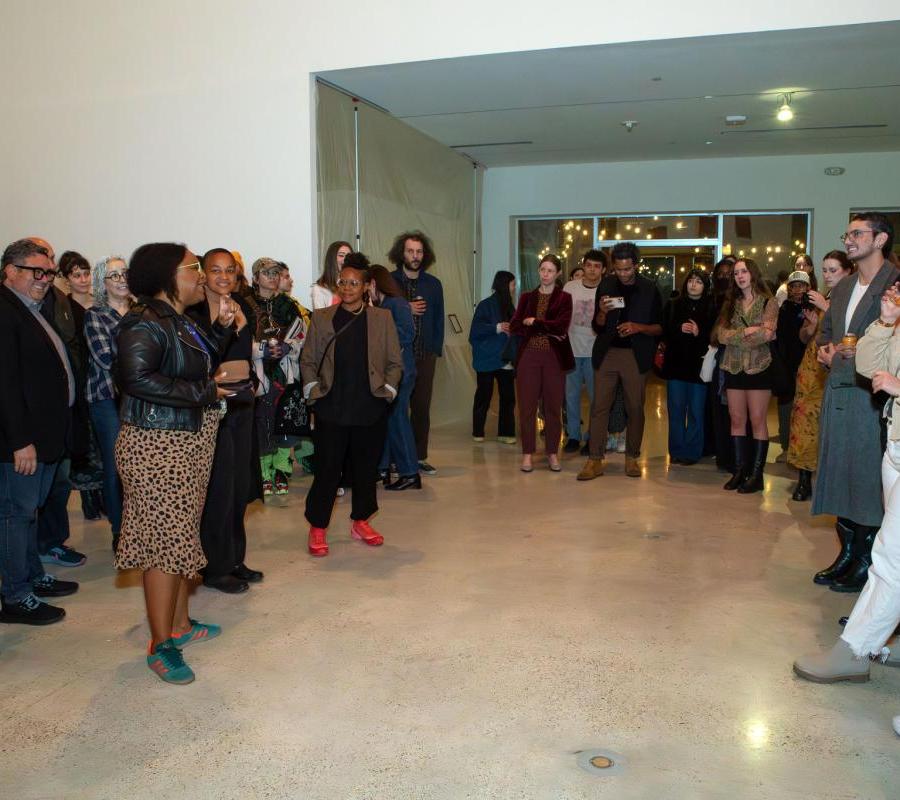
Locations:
(851, 429)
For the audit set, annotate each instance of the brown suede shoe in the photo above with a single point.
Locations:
(632, 468)
(593, 468)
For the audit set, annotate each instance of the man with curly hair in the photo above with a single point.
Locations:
(412, 254)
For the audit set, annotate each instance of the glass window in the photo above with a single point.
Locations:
(567, 238)
(657, 226)
(773, 241)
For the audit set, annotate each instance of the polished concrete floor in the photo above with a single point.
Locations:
(509, 623)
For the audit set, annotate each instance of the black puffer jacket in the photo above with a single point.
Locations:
(163, 373)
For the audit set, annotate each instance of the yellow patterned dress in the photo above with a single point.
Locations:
(803, 450)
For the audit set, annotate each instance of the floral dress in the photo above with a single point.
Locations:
(803, 451)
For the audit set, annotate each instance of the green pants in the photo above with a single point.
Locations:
(279, 461)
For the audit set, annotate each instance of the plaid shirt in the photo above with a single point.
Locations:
(101, 324)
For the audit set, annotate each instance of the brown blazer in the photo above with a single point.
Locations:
(385, 360)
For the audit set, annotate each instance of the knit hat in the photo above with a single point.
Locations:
(799, 275)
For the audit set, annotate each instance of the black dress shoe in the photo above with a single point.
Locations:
(48, 586)
(405, 482)
(30, 611)
(227, 583)
(243, 573)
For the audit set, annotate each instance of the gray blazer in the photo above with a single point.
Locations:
(851, 432)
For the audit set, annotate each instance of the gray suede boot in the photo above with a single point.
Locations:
(836, 664)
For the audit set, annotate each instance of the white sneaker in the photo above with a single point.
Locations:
(620, 443)
(611, 443)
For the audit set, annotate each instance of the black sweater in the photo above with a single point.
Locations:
(684, 351)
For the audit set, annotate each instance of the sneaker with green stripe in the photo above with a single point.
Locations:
(198, 632)
(168, 663)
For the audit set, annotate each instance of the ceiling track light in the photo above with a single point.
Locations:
(785, 114)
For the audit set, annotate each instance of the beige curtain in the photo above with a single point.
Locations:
(407, 181)
(335, 172)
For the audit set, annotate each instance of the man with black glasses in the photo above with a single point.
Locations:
(35, 421)
(628, 321)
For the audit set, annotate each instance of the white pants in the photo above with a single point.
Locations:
(877, 610)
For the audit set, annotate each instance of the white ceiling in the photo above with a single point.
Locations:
(568, 104)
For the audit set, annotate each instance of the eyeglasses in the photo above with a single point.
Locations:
(353, 283)
(855, 234)
(39, 273)
(274, 272)
(117, 277)
(196, 266)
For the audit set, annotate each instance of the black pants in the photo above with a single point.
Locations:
(361, 447)
(484, 391)
(420, 403)
(222, 532)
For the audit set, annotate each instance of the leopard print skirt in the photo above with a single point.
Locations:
(164, 479)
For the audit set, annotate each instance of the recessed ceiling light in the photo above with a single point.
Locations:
(707, 97)
(709, 142)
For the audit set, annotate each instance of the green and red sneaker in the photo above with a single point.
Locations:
(198, 632)
(168, 663)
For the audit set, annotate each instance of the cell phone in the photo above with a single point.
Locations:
(617, 302)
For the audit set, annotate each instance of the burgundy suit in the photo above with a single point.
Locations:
(540, 371)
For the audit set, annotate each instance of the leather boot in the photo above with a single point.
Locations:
(855, 576)
(828, 575)
(739, 446)
(754, 482)
(89, 505)
(836, 664)
(804, 486)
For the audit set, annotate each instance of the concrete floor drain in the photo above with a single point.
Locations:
(600, 762)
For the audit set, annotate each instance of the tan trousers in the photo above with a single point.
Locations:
(618, 365)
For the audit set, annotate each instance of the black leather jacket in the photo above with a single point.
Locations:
(163, 373)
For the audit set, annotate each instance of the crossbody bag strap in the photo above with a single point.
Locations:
(332, 340)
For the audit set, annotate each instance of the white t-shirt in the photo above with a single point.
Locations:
(858, 291)
(581, 334)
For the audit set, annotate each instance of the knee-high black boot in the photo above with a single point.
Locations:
(754, 482)
(828, 575)
(739, 446)
(804, 486)
(855, 576)
(89, 505)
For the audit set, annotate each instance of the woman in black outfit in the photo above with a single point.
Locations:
(687, 323)
(235, 471)
(351, 366)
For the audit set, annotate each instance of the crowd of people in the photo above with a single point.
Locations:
(170, 391)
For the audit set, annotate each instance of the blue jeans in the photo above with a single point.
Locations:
(686, 404)
(400, 445)
(582, 374)
(20, 498)
(53, 519)
(105, 419)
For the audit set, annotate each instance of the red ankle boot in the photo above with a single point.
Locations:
(360, 529)
(318, 544)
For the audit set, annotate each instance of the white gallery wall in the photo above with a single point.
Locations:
(124, 121)
(871, 180)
